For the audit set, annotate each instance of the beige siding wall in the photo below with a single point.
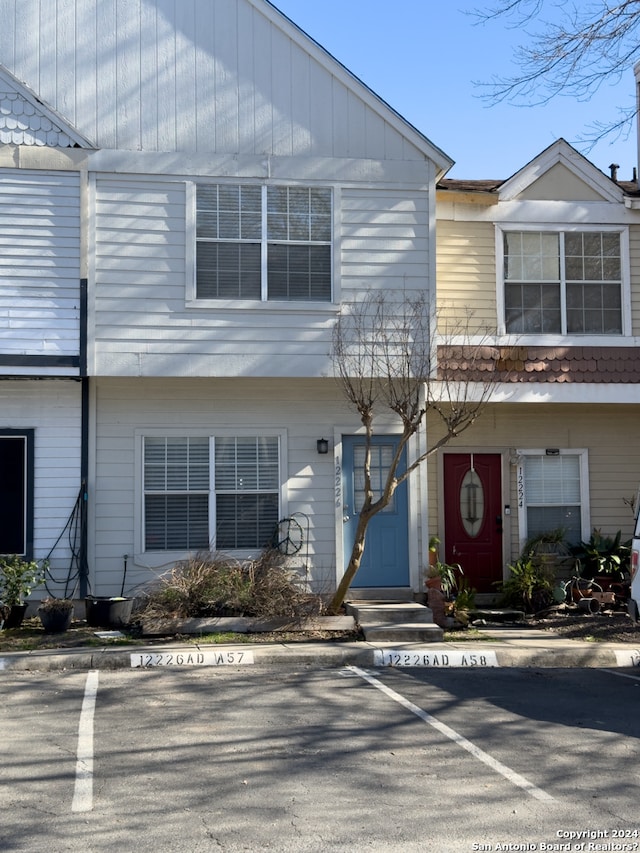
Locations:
(466, 271)
(609, 433)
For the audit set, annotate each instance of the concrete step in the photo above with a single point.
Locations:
(412, 632)
(379, 612)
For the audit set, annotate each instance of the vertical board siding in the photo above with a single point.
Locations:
(203, 407)
(39, 262)
(466, 270)
(52, 410)
(199, 75)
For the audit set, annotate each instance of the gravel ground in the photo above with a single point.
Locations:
(614, 626)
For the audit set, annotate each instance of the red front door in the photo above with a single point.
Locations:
(473, 517)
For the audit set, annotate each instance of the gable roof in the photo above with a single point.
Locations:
(26, 120)
(373, 100)
(595, 183)
(231, 77)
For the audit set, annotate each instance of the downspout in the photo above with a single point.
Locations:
(83, 569)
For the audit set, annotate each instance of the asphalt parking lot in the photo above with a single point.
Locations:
(261, 758)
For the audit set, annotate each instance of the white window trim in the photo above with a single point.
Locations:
(570, 340)
(263, 304)
(165, 559)
(585, 517)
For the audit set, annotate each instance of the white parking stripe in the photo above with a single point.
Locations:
(83, 792)
(478, 753)
(622, 674)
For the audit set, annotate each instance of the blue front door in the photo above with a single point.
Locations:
(386, 554)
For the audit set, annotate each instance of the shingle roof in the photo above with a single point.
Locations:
(540, 364)
(629, 188)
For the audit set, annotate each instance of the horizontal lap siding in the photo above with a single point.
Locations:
(39, 263)
(466, 270)
(144, 328)
(52, 410)
(385, 240)
(305, 410)
(608, 432)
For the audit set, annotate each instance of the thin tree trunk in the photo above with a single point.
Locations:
(354, 561)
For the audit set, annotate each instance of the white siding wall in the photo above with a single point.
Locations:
(52, 409)
(205, 75)
(385, 240)
(305, 411)
(143, 327)
(39, 262)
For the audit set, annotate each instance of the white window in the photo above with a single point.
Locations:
(202, 492)
(552, 493)
(263, 243)
(563, 282)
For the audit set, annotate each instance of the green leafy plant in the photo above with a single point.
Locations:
(447, 574)
(603, 555)
(527, 586)
(18, 577)
(465, 597)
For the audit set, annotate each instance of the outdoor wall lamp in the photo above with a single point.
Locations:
(323, 445)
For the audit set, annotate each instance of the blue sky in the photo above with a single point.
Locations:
(424, 56)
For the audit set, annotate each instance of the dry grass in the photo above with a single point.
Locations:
(214, 584)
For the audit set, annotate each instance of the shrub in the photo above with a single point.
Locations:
(214, 584)
(528, 586)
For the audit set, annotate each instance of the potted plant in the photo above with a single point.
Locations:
(603, 556)
(464, 602)
(443, 576)
(55, 614)
(18, 577)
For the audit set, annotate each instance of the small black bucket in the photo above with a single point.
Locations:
(104, 612)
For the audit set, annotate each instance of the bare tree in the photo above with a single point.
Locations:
(572, 51)
(385, 361)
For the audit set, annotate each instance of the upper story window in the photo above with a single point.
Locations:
(563, 282)
(263, 243)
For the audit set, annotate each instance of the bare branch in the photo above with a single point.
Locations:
(386, 361)
(589, 45)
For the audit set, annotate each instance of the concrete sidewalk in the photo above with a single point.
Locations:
(504, 647)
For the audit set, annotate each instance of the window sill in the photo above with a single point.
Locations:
(255, 305)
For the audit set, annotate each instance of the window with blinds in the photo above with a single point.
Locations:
(553, 490)
(565, 282)
(176, 494)
(196, 485)
(247, 486)
(263, 243)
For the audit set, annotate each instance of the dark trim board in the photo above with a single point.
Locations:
(39, 361)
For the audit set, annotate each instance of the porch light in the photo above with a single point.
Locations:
(323, 445)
